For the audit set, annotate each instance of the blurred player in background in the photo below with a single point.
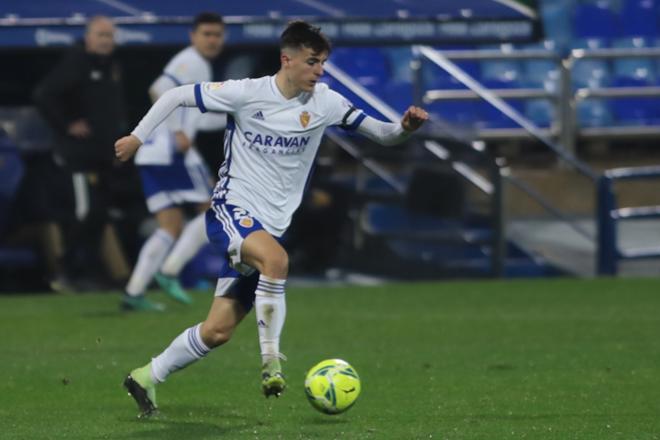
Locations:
(274, 129)
(174, 174)
(82, 100)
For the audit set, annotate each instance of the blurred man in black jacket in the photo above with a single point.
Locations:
(82, 99)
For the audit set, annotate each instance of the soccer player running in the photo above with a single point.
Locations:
(274, 129)
(173, 173)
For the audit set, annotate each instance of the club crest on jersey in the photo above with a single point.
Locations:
(304, 119)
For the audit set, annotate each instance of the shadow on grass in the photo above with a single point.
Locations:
(532, 417)
(162, 428)
(108, 313)
(324, 420)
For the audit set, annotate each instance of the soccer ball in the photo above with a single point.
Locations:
(332, 386)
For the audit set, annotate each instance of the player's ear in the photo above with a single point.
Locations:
(285, 58)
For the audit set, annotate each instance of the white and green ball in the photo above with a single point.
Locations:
(332, 386)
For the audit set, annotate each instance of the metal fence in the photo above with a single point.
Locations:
(563, 138)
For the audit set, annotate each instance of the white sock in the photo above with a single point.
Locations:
(151, 256)
(185, 349)
(191, 241)
(270, 308)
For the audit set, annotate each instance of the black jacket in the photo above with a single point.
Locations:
(84, 86)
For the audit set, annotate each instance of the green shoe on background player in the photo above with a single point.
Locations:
(142, 389)
(139, 304)
(272, 379)
(172, 287)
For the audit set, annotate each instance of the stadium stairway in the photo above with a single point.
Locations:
(531, 228)
(442, 233)
(430, 246)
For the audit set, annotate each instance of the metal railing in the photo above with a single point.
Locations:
(607, 214)
(432, 144)
(565, 99)
(475, 87)
(559, 97)
(609, 253)
(609, 132)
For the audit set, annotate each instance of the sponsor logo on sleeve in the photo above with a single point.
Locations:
(214, 85)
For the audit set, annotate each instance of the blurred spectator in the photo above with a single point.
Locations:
(82, 99)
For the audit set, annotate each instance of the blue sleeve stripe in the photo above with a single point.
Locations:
(198, 98)
(173, 78)
(357, 121)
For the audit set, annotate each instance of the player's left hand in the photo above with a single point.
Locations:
(414, 118)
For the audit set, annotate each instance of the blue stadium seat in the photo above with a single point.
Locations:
(634, 71)
(399, 59)
(490, 117)
(594, 113)
(501, 71)
(639, 18)
(459, 112)
(367, 65)
(399, 95)
(541, 112)
(634, 111)
(437, 78)
(557, 17)
(596, 19)
(541, 74)
(463, 113)
(590, 73)
(499, 74)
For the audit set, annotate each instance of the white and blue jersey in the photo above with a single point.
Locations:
(270, 143)
(170, 177)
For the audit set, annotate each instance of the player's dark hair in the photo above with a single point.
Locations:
(207, 18)
(299, 34)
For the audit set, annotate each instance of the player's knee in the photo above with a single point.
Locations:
(214, 336)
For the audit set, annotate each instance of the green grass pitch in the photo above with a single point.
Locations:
(544, 359)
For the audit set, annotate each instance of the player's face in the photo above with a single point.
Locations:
(208, 39)
(306, 68)
(100, 37)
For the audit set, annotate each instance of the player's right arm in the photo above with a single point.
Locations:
(218, 97)
(174, 122)
(183, 96)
